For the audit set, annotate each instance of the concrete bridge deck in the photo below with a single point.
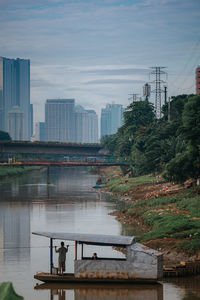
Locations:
(50, 148)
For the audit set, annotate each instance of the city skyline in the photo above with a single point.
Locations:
(100, 51)
(65, 122)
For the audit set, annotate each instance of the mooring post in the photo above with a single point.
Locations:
(51, 255)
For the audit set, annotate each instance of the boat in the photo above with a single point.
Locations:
(141, 263)
(98, 186)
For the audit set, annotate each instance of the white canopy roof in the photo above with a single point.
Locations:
(95, 239)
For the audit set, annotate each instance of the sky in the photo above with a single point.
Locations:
(100, 51)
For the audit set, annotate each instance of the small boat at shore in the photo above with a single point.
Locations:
(141, 264)
(98, 186)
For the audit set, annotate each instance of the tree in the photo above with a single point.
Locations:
(4, 136)
(176, 107)
(191, 121)
(186, 164)
(110, 143)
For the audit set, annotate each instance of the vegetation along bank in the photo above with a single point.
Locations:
(15, 171)
(165, 204)
(168, 214)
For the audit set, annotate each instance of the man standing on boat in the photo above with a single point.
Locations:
(62, 257)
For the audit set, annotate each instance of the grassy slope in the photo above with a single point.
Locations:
(174, 216)
(123, 185)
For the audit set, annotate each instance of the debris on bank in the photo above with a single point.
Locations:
(167, 214)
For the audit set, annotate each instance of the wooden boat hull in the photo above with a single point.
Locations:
(69, 278)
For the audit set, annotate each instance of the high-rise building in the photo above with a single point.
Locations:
(16, 123)
(92, 126)
(111, 119)
(40, 131)
(31, 119)
(59, 120)
(86, 125)
(198, 80)
(15, 92)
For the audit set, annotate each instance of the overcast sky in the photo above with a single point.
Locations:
(99, 51)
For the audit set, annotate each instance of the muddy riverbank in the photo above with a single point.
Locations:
(167, 213)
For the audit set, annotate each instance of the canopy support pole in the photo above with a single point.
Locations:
(51, 255)
(75, 250)
(81, 251)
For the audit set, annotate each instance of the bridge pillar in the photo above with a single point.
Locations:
(48, 175)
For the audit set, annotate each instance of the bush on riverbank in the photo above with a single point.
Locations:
(14, 171)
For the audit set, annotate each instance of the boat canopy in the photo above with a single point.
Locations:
(92, 239)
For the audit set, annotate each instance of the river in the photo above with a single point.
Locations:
(67, 203)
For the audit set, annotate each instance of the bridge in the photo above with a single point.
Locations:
(49, 148)
(55, 154)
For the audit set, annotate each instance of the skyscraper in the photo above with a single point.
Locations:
(86, 125)
(59, 120)
(15, 92)
(16, 123)
(40, 131)
(111, 118)
(198, 80)
(93, 126)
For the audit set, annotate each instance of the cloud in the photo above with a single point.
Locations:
(113, 81)
(98, 51)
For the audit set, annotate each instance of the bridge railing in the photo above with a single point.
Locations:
(60, 158)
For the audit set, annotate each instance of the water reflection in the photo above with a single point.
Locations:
(191, 286)
(28, 203)
(15, 231)
(105, 292)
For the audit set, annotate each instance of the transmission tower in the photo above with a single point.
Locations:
(158, 72)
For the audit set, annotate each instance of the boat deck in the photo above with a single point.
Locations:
(69, 278)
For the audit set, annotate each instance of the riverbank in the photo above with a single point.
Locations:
(15, 171)
(168, 213)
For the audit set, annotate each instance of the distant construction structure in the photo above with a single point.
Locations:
(158, 82)
(146, 91)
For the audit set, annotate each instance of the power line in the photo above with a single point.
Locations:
(193, 60)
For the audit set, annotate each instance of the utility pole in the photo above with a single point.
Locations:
(165, 93)
(169, 117)
(157, 72)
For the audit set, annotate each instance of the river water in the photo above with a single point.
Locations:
(67, 203)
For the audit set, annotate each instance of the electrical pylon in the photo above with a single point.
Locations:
(157, 71)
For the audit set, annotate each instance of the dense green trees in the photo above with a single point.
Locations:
(186, 163)
(151, 145)
(4, 136)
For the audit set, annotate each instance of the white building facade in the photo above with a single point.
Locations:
(59, 120)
